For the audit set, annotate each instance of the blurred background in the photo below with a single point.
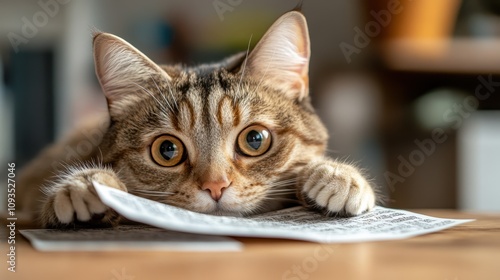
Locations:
(410, 90)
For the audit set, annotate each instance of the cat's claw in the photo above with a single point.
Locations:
(73, 200)
(336, 188)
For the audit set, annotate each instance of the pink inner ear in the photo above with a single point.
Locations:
(281, 58)
(303, 47)
(121, 69)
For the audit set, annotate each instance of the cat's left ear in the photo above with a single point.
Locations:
(281, 58)
(121, 69)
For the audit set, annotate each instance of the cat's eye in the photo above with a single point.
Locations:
(254, 140)
(168, 151)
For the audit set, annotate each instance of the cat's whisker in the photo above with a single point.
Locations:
(151, 196)
(163, 95)
(276, 198)
(118, 171)
(276, 190)
(280, 199)
(287, 180)
(251, 211)
(162, 107)
(292, 181)
(149, 191)
(162, 113)
(278, 194)
(244, 64)
(332, 151)
(168, 104)
(264, 74)
(283, 184)
(283, 188)
(100, 154)
(152, 193)
(172, 95)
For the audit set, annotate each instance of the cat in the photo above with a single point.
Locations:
(238, 137)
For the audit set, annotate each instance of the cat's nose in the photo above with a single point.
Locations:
(215, 188)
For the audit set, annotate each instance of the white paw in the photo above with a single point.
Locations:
(337, 188)
(76, 198)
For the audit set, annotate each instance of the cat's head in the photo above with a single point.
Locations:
(225, 138)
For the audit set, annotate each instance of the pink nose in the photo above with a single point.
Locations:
(215, 188)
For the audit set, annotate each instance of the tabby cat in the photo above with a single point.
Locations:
(237, 137)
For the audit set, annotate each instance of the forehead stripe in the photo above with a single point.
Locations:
(227, 112)
(184, 117)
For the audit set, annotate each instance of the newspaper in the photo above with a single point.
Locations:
(126, 237)
(291, 223)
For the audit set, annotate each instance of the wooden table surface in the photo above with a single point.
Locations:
(468, 251)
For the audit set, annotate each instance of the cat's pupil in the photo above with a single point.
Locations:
(254, 139)
(168, 150)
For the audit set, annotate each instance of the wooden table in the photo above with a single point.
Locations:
(468, 251)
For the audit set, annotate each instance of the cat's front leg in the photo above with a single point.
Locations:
(335, 188)
(73, 200)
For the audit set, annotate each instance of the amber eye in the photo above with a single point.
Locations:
(168, 151)
(254, 140)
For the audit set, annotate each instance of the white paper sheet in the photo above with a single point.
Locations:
(292, 223)
(126, 237)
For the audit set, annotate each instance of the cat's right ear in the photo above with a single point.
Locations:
(121, 69)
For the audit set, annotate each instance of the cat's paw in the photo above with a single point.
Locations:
(335, 188)
(73, 201)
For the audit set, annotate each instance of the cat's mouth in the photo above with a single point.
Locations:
(222, 208)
